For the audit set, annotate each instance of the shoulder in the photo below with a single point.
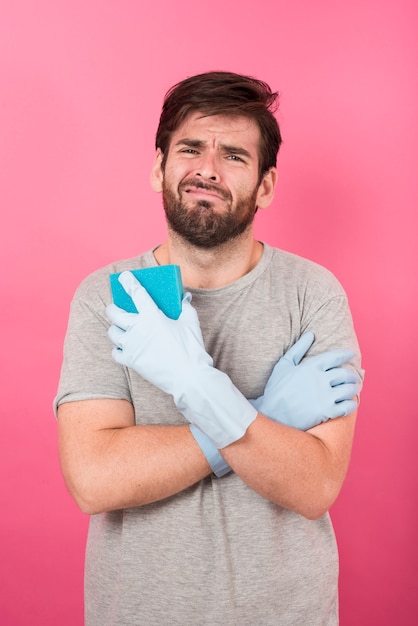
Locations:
(304, 274)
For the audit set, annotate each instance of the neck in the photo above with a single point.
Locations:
(211, 268)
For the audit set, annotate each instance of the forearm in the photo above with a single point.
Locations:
(301, 471)
(142, 464)
(109, 467)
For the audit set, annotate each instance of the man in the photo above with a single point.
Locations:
(207, 459)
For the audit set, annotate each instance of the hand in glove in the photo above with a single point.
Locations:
(305, 394)
(170, 354)
(298, 394)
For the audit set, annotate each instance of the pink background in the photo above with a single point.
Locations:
(81, 86)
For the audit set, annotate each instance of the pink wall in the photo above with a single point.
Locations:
(81, 85)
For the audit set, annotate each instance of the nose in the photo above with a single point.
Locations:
(208, 169)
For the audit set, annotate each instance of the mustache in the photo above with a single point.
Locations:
(193, 182)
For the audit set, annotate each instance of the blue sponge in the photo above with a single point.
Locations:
(163, 284)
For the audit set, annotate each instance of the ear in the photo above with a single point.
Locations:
(265, 193)
(157, 173)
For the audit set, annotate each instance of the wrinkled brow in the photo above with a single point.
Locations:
(198, 143)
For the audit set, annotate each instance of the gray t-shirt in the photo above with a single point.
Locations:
(216, 553)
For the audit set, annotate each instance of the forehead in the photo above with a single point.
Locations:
(239, 131)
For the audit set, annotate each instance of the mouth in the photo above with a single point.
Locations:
(203, 192)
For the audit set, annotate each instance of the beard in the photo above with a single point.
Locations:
(200, 224)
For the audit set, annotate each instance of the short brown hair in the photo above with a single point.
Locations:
(223, 93)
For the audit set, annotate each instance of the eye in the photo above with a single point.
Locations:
(234, 157)
(189, 151)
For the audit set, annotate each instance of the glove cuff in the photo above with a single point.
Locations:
(211, 401)
(217, 463)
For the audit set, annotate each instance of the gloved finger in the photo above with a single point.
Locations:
(140, 296)
(345, 392)
(188, 312)
(189, 317)
(342, 409)
(120, 317)
(342, 375)
(332, 358)
(296, 353)
(116, 335)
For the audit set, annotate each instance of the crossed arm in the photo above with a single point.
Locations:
(110, 463)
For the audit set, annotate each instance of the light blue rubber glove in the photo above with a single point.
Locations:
(300, 395)
(305, 394)
(215, 459)
(171, 355)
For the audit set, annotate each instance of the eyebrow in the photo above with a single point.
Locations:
(236, 150)
(198, 143)
(191, 143)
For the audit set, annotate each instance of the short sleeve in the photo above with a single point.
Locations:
(327, 314)
(88, 370)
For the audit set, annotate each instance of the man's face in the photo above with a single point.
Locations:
(210, 179)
